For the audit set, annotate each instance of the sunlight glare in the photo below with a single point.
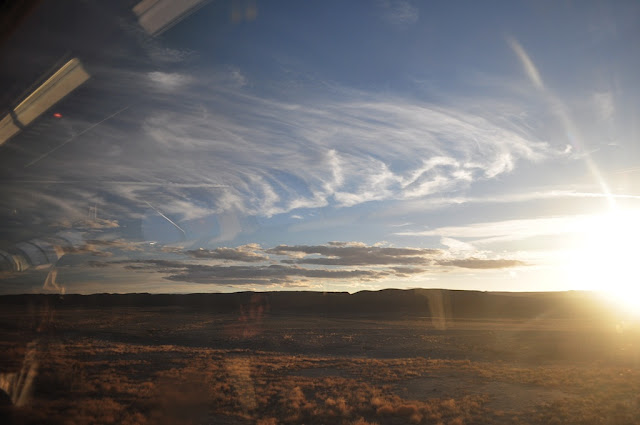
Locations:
(607, 261)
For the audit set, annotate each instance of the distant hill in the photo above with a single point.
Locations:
(451, 304)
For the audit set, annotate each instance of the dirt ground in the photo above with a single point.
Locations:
(176, 365)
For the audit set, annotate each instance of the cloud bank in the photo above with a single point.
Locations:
(305, 265)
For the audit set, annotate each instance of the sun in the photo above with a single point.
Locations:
(607, 258)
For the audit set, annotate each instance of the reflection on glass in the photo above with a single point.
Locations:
(68, 78)
(156, 16)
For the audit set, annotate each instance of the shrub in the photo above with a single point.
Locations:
(406, 410)
(361, 421)
(416, 418)
(385, 409)
(449, 404)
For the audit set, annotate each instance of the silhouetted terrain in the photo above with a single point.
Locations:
(387, 357)
(424, 302)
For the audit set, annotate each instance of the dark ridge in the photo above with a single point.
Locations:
(411, 302)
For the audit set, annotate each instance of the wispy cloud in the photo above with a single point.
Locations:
(353, 255)
(508, 230)
(245, 253)
(457, 246)
(437, 202)
(169, 81)
(399, 12)
(604, 105)
(346, 150)
(218, 147)
(258, 156)
(481, 263)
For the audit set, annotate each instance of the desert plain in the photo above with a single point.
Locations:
(383, 357)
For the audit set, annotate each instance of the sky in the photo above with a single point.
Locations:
(327, 146)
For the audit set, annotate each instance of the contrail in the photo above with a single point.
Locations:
(76, 136)
(166, 218)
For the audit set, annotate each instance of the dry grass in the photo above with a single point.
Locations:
(110, 383)
(134, 379)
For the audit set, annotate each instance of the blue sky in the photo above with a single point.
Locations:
(334, 146)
